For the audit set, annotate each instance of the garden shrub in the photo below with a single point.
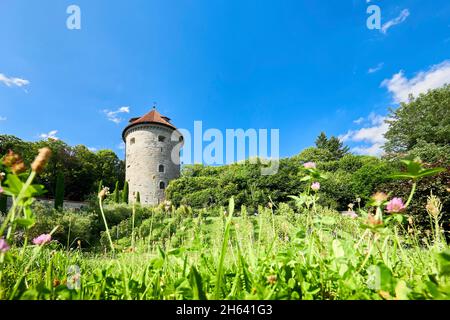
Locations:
(82, 225)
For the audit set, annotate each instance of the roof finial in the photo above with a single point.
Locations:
(154, 105)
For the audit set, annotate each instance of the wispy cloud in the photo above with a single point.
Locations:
(114, 116)
(401, 87)
(359, 120)
(377, 68)
(370, 139)
(3, 118)
(13, 82)
(50, 135)
(401, 18)
(121, 146)
(93, 149)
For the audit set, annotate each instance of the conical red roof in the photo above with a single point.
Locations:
(152, 117)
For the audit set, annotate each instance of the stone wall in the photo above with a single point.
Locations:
(145, 153)
(75, 205)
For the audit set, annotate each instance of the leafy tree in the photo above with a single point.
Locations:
(81, 167)
(116, 194)
(423, 119)
(333, 145)
(59, 192)
(314, 154)
(8, 142)
(125, 192)
(110, 167)
(322, 141)
(138, 197)
(430, 152)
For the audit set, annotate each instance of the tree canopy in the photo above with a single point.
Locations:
(425, 119)
(333, 145)
(82, 168)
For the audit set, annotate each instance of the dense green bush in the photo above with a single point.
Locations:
(73, 225)
(436, 185)
(336, 191)
(349, 177)
(373, 172)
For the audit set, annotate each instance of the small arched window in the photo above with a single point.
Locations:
(161, 138)
(132, 141)
(161, 168)
(162, 185)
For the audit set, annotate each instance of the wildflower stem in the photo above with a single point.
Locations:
(132, 225)
(413, 190)
(106, 224)
(369, 252)
(226, 236)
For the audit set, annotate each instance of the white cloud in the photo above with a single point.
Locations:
(11, 81)
(3, 118)
(376, 119)
(359, 120)
(50, 135)
(371, 136)
(121, 146)
(114, 115)
(401, 18)
(93, 149)
(401, 87)
(376, 68)
(375, 149)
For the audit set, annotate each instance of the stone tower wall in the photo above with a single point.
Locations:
(144, 154)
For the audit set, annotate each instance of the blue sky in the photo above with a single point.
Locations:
(299, 66)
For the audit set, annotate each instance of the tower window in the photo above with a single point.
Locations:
(132, 141)
(162, 185)
(161, 138)
(161, 168)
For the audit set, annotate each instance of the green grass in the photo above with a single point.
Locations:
(276, 255)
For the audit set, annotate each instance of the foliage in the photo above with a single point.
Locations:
(116, 193)
(367, 179)
(177, 253)
(314, 154)
(333, 145)
(349, 177)
(59, 193)
(281, 256)
(437, 185)
(425, 119)
(81, 167)
(73, 226)
(138, 197)
(125, 192)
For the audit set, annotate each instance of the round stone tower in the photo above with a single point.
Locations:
(152, 156)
